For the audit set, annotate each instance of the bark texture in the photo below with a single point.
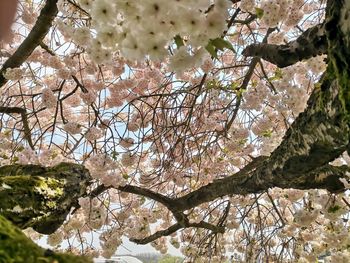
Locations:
(311, 43)
(39, 197)
(15, 247)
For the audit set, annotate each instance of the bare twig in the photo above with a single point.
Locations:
(26, 129)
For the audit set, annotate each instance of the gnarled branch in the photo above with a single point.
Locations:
(311, 43)
(16, 247)
(172, 229)
(41, 197)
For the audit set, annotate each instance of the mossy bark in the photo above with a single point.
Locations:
(41, 197)
(338, 36)
(15, 247)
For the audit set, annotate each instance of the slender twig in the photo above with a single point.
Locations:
(26, 129)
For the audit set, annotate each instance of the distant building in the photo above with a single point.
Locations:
(118, 259)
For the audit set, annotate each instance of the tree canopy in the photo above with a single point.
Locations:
(220, 126)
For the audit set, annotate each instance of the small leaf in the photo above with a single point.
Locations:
(259, 12)
(239, 93)
(14, 160)
(333, 209)
(242, 142)
(278, 75)
(234, 86)
(317, 85)
(221, 44)
(211, 49)
(267, 133)
(142, 200)
(213, 84)
(114, 155)
(179, 41)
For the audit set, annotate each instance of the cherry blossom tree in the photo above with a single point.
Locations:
(220, 127)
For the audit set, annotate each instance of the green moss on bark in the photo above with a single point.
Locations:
(41, 197)
(339, 51)
(29, 198)
(15, 247)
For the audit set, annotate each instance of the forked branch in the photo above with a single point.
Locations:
(311, 43)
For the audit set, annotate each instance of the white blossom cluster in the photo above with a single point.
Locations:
(273, 12)
(48, 98)
(14, 73)
(276, 11)
(105, 169)
(139, 28)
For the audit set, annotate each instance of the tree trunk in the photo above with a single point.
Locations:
(15, 247)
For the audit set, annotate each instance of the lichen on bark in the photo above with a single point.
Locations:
(41, 197)
(15, 247)
(338, 37)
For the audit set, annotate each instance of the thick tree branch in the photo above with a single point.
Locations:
(174, 228)
(326, 177)
(206, 225)
(16, 247)
(311, 43)
(147, 193)
(34, 38)
(318, 135)
(41, 197)
(157, 235)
